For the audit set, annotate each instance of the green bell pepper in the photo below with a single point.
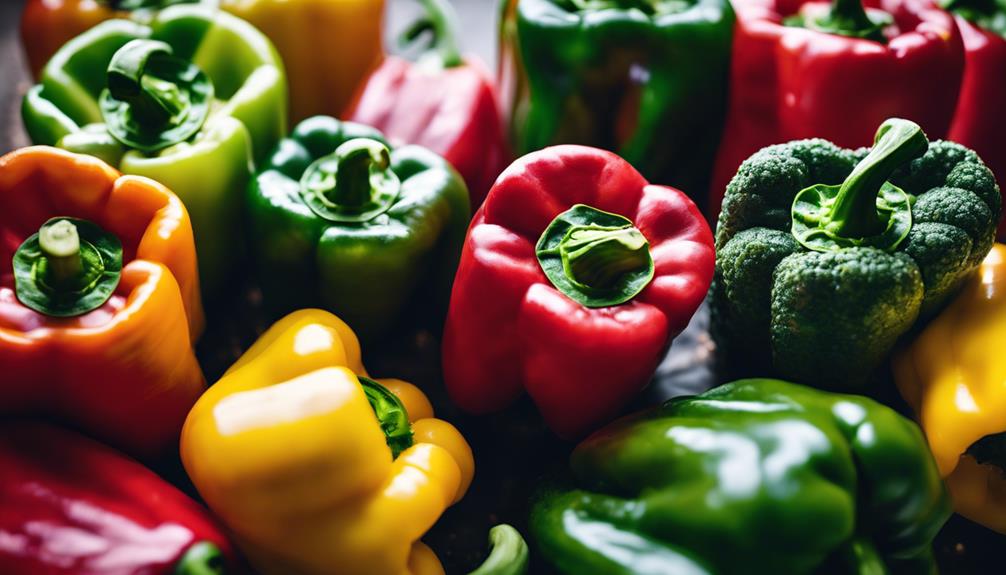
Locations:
(825, 256)
(622, 75)
(342, 221)
(188, 97)
(757, 476)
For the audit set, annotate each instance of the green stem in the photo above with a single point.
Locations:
(154, 101)
(203, 558)
(391, 415)
(60, 244)
(849, 15)
(441, 21)
(598, 257)
(854, 213)
(356, 160)
(508, 553)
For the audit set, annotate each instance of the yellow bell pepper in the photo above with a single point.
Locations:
(296, 450)
(328, 47)
(954, 377)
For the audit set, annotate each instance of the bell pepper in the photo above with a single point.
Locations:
(826, 256)
(345, 222)
(341, 38)
(953, 376)
(72, 506)
(315, 467)
(575, 277)
(757, 476)
(441, 102)
(622, 75)
(48, 24)
(976, 124)
(99, 300)
(807, 69)
(329, 47)
(184, 98)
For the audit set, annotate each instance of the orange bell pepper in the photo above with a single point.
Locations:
(124, 371)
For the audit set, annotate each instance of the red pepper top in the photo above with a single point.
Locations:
(70, 505)
(452, 111)
(791, 82)
(509, 328)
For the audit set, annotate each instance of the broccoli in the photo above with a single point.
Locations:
(826, 256)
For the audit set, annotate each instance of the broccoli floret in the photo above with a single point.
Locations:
(762, 192)
(977, 177)
(932, 168)
(941, 251)
(835, 315)
(743, 281)
(961, 209)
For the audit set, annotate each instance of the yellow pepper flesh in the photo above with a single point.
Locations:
(288, 452)
(328, 47)
(954, 377)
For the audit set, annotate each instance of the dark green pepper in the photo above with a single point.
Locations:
(757, 476)
(646, 79)
(342, 221)
(826, 256)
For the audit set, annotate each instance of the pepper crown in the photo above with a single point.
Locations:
(866, 209)
(595, 258)
(153, 99)
(988, 14)
(68, 268)
(847, 18)
(354, 184)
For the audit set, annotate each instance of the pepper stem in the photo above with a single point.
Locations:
(203, 558)
(154, 101)
(356, 160)
(598, 257)
(854, 213)
(508, 553)
(60, 244)
(849, 15)
(391, 415)
(441, 21)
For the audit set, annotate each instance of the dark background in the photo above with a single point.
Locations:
(512, 449)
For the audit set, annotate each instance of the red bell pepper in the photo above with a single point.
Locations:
(69, 505)
(980, 121)
(442, 102)
(796, 73)
(575, 276)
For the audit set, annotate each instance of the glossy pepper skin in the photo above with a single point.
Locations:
(328, 47)
(288, 452)
(790, 82)
(952, 375)
(830, 315)
(579, 364)
(442, 102)
(620, 75)
(209, 171)
(757, 476)
(124, 372)
(977, 125)
(342, 37)
(72, 506)
(48, 24)
(371, 269)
